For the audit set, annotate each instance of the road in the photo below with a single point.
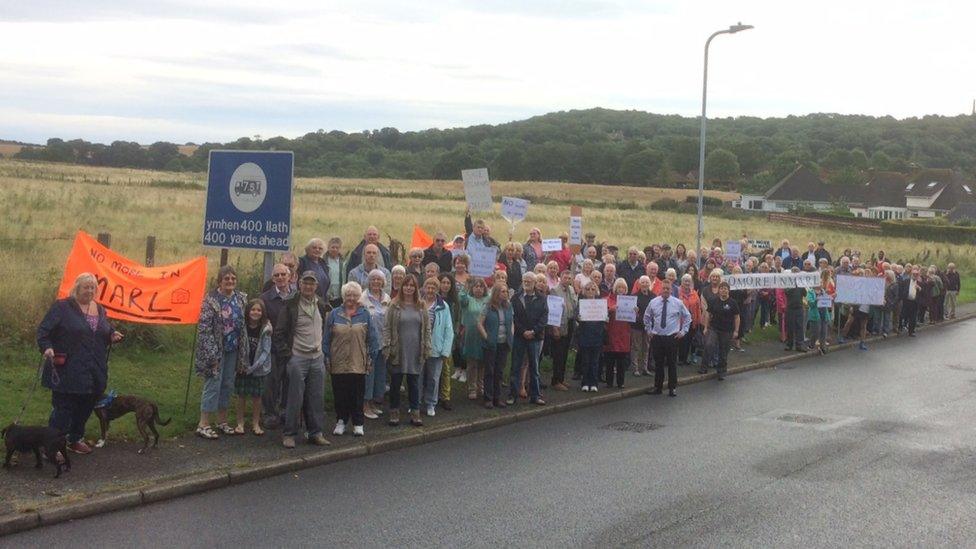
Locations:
(856, 448)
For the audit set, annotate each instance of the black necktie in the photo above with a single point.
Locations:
(664, 314)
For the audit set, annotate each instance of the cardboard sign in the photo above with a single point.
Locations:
(760, 244)
(733, 250)
(824, 301)
(171, 294)
(477, 189)
(575, 229)
(758, 281)
(483, 261)
(552, 245)
(555, 310)
(514, 209)
(593, 309)
(627, 308)
(860, 290)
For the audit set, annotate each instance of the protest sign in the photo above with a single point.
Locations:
(760, 244)
(575, 229)
(170, 294)
(514, 209)
(483, 261)
(627, 308)
(860, 290)
(593, 309)
(552, 245)
(756, 281)
(733, 250)
(477, 189)
(555, 310)
(824, 301)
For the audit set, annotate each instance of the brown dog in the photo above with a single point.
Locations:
(147, 417)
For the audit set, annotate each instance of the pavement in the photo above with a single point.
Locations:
(589, 465)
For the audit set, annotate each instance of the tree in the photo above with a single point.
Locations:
(750, 155)
(846, 176)
(641, 168)
(509, 164)
(461, 157)
(721, 165)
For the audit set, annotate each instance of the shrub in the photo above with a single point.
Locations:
(937, 232)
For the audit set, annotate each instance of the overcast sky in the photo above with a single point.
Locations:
(214, 71)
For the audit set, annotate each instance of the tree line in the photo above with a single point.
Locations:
(590, 146)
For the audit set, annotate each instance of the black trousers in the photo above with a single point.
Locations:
(686, 345)
(560, 353)
(274, 401)
(495, 360)
(70, 412)
(347, 396)
(665, 351)
(724, 339)
(616, 367)
(909, 314)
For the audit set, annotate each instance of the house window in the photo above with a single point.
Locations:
(755, 204)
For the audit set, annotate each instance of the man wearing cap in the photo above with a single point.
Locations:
(437, 253)
(298, 343)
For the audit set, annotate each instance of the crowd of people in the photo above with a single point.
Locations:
(429, 326)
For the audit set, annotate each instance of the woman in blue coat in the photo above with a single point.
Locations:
(74, 337)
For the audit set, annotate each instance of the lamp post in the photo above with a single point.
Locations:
(701, 153)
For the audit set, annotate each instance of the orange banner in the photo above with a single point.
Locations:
(423, 240)
(171, 294)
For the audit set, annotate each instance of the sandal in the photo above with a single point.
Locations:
(207, 433)
(226, 429)
(239, 430)
(257, 430)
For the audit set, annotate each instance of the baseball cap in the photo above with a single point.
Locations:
(310, 275)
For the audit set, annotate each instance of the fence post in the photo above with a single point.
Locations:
(150, 251)
(105, 239)
(223, 256)
(268, 266)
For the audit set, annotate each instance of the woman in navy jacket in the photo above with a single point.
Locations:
(74, 337)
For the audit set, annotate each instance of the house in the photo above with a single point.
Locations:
(885, 195)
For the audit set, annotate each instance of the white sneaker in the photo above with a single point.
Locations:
(431, 411)
(463, 377)
(357, 431)
(340, 428)
(456, 375)
(593, 389)
(585, 388)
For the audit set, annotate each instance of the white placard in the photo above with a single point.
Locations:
(824, 301)
(733, 250)
(757, 281)
(477, 189)
(555, 304)
(593, 309)
(552, 245)
(514, 209)
(627, 308)
(576, 230)
(860, 290)
(760, 244)
(483, 261)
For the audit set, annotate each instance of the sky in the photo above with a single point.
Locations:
(197, 71)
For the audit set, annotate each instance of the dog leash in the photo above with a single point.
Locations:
(37, 378)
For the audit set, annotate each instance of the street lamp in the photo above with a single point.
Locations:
(701, 153)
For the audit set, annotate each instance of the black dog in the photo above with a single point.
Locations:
(146, 412)
(19, 438)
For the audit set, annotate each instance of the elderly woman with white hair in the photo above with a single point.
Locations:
(314, 260)
(376, 302)
(75, 337)
(349, 343)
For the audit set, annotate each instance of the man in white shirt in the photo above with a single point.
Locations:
(666, 320)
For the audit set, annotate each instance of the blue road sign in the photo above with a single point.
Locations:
(249, 200)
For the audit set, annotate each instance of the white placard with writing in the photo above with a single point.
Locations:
(514, 209)
(593, 309)
(477, 189)
(860, 290)
(576, 230)
(552, 245)
(555, 304)
(483, 261)
(627, 308)
(757, 281)
(760, 244)
(824, 301)
(733, 250)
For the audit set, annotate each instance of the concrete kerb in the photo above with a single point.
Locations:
(13, 523)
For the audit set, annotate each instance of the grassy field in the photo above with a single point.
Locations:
(42, 206)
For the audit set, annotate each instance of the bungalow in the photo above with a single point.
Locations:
(885, 195)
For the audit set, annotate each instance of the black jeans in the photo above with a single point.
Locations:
(686, 345)
(909, 314)
(274, 401)
(794, 328)
(723, 339)
(560, 352)
(495, 360)
(665, 350)
(413, 390)
(347, 396)
(70, 412)
(616, 366)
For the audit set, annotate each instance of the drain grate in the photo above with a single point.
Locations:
(803, 419)
(633, 426)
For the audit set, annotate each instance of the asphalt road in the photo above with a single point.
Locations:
(872, 448)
